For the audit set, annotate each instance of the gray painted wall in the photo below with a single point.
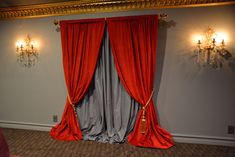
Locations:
(190, 101)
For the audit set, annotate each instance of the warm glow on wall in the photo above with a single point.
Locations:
(27, 52)
(20, 43)
(211, 47)
(196, 38)
(218, 36)
(221, 36)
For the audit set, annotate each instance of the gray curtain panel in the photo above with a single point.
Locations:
(107, 113)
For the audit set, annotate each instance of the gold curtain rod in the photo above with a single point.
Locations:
(161, 16)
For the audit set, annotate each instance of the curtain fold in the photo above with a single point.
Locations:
(134, 42)
(107, 113)
(81, 40)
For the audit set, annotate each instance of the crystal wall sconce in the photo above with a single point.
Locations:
(210, 49)
(27, 54)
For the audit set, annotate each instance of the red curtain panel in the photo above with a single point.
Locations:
(134, 43)
(81, 40)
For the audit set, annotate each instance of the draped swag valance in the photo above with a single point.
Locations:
(133, 42)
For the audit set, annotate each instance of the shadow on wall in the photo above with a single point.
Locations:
(189, 58)
(231, 64)
(161, 47)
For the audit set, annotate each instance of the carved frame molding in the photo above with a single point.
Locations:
(96, 6)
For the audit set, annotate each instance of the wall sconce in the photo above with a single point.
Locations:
(211, 49)
(27, 54)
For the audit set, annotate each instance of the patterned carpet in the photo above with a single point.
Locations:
(28, 143)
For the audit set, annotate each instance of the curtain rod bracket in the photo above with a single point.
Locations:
(56, 22)
(163, 16)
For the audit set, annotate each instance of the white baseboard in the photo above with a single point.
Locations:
(198, 139)
(25, 125)
(182, 138)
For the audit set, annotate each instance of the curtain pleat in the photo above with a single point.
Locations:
(133, 42)
(107, 113)
(81, 40)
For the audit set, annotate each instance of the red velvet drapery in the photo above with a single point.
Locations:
(133, 42)
(81, 40)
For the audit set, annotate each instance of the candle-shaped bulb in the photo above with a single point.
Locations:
(213, 41)
(222, 42)
(199, 42)
(32, 44)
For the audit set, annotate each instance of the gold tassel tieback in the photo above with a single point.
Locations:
(74, 108)
(143, 117)
(143, 121)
